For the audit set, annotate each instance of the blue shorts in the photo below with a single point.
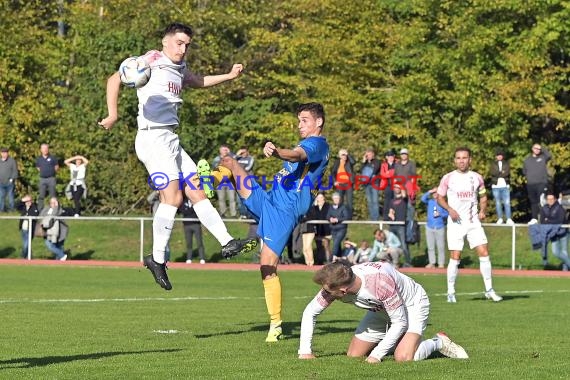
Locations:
(275, 223)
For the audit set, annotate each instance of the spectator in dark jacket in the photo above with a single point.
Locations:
(336, 215)
(500, 185)
(343, 176)
(27, 208)
(322, 231)
(398, 212)
(553, 213)
(536, 173)
(371, 169)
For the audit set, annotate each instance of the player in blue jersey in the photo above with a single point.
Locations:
(280, 209)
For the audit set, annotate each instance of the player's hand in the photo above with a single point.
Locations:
(454, 215)
(307, 356)
(108, 122)
(268, 149)
(372, 360)
(236, 70)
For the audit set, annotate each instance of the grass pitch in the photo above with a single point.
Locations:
(99, 323)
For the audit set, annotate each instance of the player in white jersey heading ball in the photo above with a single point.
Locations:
(158, 147)
(464, 190)
(398, 311)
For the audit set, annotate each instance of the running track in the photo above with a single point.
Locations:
(255, 267)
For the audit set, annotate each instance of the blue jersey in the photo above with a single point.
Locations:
(297, 181)
(279, 210)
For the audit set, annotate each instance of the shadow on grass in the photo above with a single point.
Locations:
(47, 360)
(82, 255)
(6, 252)
(290, 329)
(505, 297)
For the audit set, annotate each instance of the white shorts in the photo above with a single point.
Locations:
(372, 328)
(160, 151)
(456, 234)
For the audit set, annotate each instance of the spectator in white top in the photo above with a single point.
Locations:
(76, 188)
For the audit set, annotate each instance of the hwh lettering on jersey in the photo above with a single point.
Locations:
(465, 194)
(174, 88)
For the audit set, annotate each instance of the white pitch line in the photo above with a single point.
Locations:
(178, 299)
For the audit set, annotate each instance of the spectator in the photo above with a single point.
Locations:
(371, 168)
(536, 174)
(8, 176)
(386, 247)
(397, 213)
(343, 177)
(387, 172)
(308, 231)
(463, 188)
(500, 185)
(348, 251)
(47, 166)
(336, 215)
(27, 208)
(362, 253)
(56, 230)
(322, 231)
(553, 213)
(76, 188)
(192, 229)
(246, 161)
(435, 229)
(406, 168)
(225, 189)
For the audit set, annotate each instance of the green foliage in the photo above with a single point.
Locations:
(428, 75)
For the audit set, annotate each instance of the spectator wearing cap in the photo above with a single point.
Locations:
(343, 175)
(387, 173)
(336, 215)
(47, 166)
(27, 207)
(8, 176)
(500, 185)
(370, 169)
(406, 168)
(536, 174)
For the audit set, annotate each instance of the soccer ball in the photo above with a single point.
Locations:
(134, 72)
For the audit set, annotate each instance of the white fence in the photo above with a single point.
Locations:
(141, 221)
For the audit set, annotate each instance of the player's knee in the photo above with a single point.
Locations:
(403, 356)
(268, 271)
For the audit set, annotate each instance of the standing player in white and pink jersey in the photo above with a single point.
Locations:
(464, 189)
(398, 311)
(158, 146)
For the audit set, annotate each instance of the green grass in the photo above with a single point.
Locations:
(119, 240)
(95, 323)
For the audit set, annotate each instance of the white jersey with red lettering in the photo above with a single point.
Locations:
(462, 190)
(159, 99)
(383, 290)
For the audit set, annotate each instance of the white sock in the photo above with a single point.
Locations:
(452, 270)
(213, 222)
(162, 223)
(427, 347)
(485, 268)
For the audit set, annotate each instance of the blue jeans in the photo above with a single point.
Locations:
(55, 248)
(560, 249)
(502, 197)
(7, 189)
(372, 201)
(25, 234)
(337, 241)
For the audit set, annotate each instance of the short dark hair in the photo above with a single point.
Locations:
(177, 27)
(316, 109)
(463, 149)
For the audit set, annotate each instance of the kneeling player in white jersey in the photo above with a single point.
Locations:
(462, 187)
(398, 310)
(158, 147)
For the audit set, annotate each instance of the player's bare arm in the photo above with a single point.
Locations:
(296, 154)
(199, 81)
(113, 88)
(452, 213)
(482, 207)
